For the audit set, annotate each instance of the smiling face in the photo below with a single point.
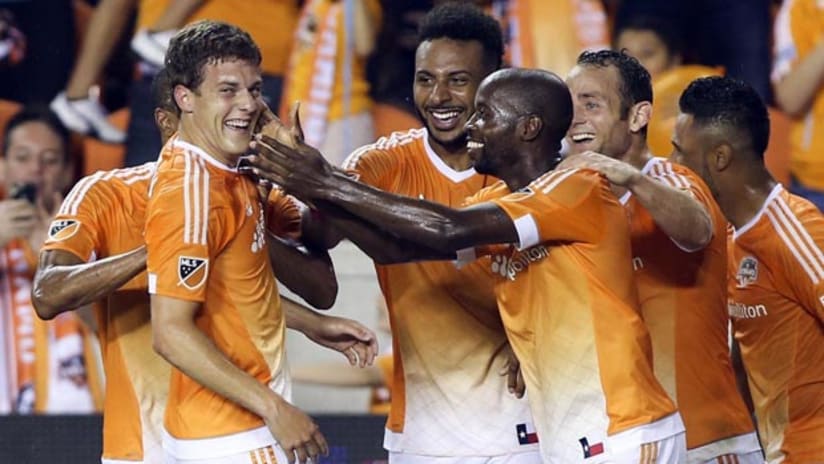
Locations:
(597, 124)
(224, 108)
(491, 131)
(447, 75)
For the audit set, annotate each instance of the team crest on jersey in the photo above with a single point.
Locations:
(63, 228)
(747, 272)
(192, 272)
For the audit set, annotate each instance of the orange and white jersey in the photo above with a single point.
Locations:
(569, 303)
(683, 297)
(447, 396)
(799, 27)
(776, 302)
(103, 216)
(205, 238)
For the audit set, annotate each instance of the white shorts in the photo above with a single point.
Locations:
(268, 455)
(749, 458)
(527, 457)
(670, 450)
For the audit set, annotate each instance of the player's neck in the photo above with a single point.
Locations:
(195, 136)
(747, 197)
(527, 168)
(455, 155)
(637, 155)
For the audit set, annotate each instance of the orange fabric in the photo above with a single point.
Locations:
(581, 300)
(666, 90)
(283, 216)
(683, 302)
(777, 156)
(302, 62)
(381, 400)
(273, 38)
(205, 237)
(103, 216)
(447, 337)
(389, 118)
(776, 283)
(798, 31)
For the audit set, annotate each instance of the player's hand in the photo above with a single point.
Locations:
(18, 218)
(281, 157)
(351, 338)
(296, 433)
(512, 371)
(617, 172)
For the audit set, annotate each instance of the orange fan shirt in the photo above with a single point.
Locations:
(569, 303)
(447, 396)
(103, 216)
(776, 301)
(205, 238)
(683, 297)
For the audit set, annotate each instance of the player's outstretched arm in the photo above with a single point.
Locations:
(352, 339)
(178, 340)
(680, 215)
(64, 282)
(309, 274)
(303, 172)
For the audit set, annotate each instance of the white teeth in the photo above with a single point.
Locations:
(474, 144)
(444, 115)
(582, 137)
(238, 124)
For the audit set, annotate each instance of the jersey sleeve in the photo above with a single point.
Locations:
(185, 230)
(681, 178)
(469, 255)
(373, 166)
(283, 215)
(562, 205)
(803, 262)
(79, 226)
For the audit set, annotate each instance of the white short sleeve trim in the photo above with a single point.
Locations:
(527, 232)
(152, 283)
(464, 257)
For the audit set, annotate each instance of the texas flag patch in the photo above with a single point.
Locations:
(591, 450)
(526, 436)
(62, 229)
(192, 272)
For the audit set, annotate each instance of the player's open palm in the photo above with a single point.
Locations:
(296, 433)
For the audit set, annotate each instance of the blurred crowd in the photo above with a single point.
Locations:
(76, 97)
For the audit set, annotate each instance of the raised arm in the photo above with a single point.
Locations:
(64, 282)
(680, 215)
(304, 173)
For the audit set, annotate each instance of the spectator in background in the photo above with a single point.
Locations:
(52, 366)
(798, 79)
(155, 20)
(658, 45)
(327, 73)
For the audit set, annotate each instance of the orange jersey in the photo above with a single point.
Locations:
(447, 396)
(799, 29)
(103, 216)
(270, 23)
(776, 301)
(205, 238)
(683, 299)
(568, 301)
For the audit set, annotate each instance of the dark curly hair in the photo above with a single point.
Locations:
(464, 21)
(162, 94)
(206, 42)
(635, 85)
(729, 104)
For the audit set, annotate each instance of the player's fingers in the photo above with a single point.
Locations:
(290, 455)
(312, 450)
(300, 452)
(351, 356)
(520, 386)
(321, 442)
(297, 129)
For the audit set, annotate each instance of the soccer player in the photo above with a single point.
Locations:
(449, 402)
(95, 250)
(679, 253)
(776, 267)
(564, 280)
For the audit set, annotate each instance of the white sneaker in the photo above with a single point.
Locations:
(151, 46)
(86, 116)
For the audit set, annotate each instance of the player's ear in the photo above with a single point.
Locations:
(721, 156)
(639, 116)
(529, 127)
(184, 97)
